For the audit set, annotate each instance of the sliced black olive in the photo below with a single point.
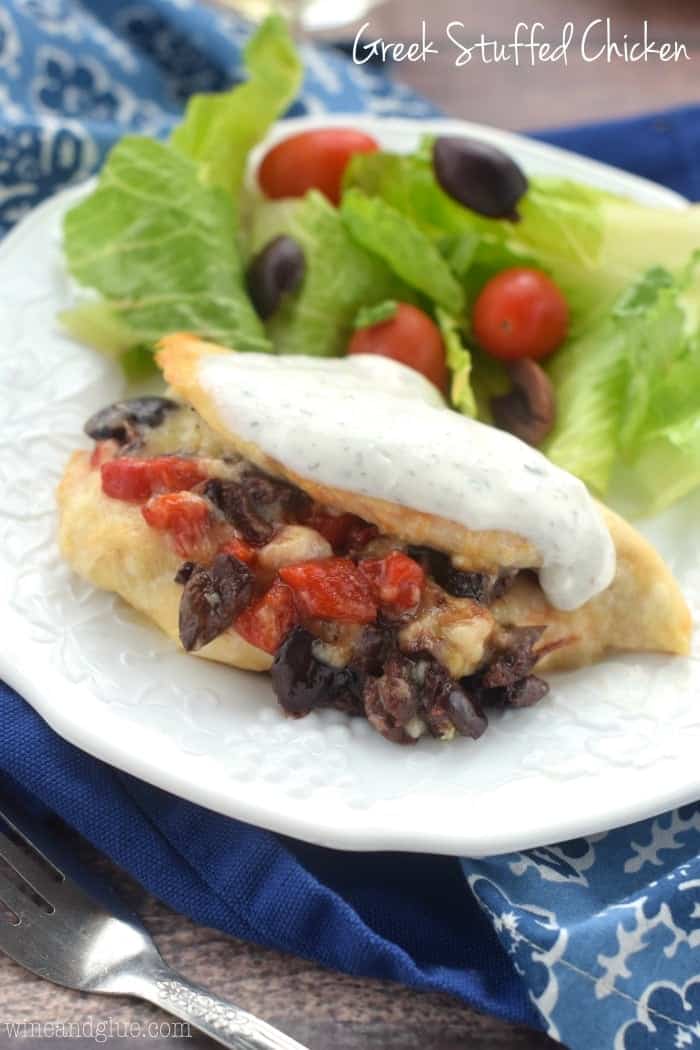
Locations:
(302, 683)
(482, 587)
(525, 693)
(212, 599)
(184, 572)
(446, 706)
(479, 176)
(516, 660)
(529, 409)
(275, 271)
(123, 420)
(235, 503)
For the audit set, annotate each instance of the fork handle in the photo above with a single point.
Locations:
(228, 1024)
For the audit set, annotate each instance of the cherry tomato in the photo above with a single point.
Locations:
(312, 160)
(266, 622)
(331, 589)
(411, 337)
(397, 581)
(520, 313)
(184, 515)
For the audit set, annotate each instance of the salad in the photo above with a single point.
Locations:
(560, 312)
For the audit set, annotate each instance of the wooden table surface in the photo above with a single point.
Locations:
(324, 1010)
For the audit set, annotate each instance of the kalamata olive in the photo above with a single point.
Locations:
(277, 270)
(184, 572)
(479, 176)
(482, 587)
(235, 503)
(446, 706)
(302, 683)
(525, 693)
(529, 409)
(212, 599)
(391, 701)
(516, 660)
(123, 420)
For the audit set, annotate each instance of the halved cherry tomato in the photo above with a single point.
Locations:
(312, 160)
(397, 581)
(137, 479)
(266, 622)
(184, 515)
(331, 589)
(239, 549)
(343, 531)
(520, 313)
(411, 337)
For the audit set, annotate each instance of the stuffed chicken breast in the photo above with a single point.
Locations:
(332, 522)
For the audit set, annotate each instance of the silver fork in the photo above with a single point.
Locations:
(71, 928)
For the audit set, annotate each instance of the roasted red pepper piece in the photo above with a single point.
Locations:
(343, 531)
(137, 479)
(239, 549)
(184, 515)
(331, 589)
(396, 581)
(265, 623)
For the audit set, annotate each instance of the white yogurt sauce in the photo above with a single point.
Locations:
(371, 426)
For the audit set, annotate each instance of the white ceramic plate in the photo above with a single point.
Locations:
(611, 744)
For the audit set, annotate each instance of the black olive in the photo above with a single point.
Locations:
(275, 271)
(479, 176)
(184, 572)
(302, 682)
(212, 599)
(123, 420)
(481, 587)
(447, 706)
(528, 410)
(235, 503)
(516, 660)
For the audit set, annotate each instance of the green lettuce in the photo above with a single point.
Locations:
(370, 315)
(220, 129)
(409, 252)
(157, 244)
(593, 243)
(459, 363)
(159, 238)
(627, 391)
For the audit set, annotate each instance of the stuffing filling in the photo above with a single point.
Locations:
(353, 619)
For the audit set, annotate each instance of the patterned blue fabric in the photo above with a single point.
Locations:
(596, 939)
(75, 75)
(606, 932)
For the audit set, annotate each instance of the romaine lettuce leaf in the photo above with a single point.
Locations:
(628, 391)
(459, 362)
(158, 245)
(370, 315)
(220, 129)
(160, 238)
(385, 232)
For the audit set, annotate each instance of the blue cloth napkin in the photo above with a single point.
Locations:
(596, 940)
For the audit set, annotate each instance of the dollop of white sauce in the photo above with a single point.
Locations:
(377, 428)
